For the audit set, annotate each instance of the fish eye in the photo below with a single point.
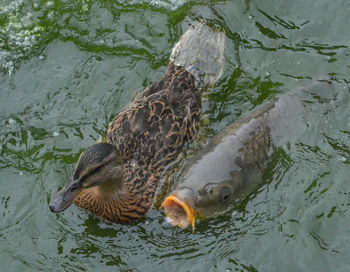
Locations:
(225, 194)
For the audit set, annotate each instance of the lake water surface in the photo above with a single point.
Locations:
(68, 67)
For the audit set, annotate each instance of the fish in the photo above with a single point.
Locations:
(229, 167)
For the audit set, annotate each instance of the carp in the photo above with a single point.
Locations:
(230, 165)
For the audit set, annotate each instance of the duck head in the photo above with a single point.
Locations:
(98, 166)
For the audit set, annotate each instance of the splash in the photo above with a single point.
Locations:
(19, 31)
(166, 4)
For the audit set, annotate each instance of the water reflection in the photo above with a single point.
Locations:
(68, 67)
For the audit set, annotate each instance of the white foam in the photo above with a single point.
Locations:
(342, 159)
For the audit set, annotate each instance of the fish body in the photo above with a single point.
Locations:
(230, 166)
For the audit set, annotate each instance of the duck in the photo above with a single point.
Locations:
(117, 179)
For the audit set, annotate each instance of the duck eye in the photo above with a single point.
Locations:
(73, 187)
(225, 194)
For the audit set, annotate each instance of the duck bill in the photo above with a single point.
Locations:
(178, 212)
(65, 197)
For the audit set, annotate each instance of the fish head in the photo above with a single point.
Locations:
(185, 204)
(213, 198)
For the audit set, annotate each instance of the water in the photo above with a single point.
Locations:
(68, 67)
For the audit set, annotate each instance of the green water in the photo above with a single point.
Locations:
(68, 67)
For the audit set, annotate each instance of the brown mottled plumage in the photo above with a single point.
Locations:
(149, 134)
(117, 180)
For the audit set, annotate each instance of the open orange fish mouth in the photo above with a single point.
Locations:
(178, 212)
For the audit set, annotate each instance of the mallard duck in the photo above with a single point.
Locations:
(117, 179)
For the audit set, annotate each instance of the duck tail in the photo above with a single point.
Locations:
(200, 51)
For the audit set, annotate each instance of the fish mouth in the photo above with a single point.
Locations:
(178, 212)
